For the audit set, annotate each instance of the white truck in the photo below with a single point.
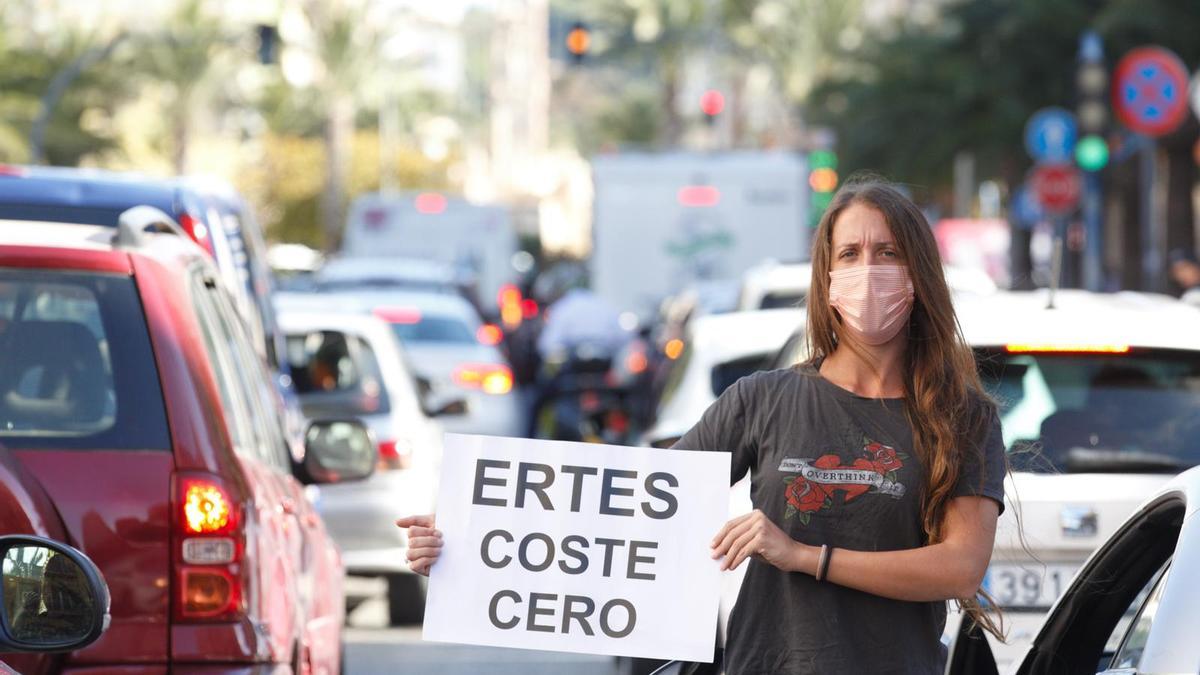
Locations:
(476, 239)
(664, 220)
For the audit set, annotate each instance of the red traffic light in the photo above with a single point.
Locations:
(712, 102)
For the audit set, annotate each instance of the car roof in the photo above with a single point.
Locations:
(438, 304)
(85, 188)
(725, 337)
(365, 325)
(345, 268)
(55, 245)
(1078, 318)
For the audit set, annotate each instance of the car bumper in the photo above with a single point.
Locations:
(488, 415)
(361, 517)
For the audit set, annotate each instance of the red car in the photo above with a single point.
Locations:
(140, 426)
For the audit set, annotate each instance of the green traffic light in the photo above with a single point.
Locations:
(822, 159)
(1091, 153)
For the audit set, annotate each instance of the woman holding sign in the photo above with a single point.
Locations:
(877, 466)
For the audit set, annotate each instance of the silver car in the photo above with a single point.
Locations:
(351, 365)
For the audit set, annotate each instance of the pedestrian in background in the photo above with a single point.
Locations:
(877, 466)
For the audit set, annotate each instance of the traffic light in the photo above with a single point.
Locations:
(1091, 83)
(579, 39)
(823, 180)
(268, 43)
(712, 102)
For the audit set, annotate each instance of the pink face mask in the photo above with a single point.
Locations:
(874, 300)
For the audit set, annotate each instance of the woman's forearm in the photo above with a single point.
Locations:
(930, 573)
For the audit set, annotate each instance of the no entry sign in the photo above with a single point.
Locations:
(1150, 91)
(1056, 187)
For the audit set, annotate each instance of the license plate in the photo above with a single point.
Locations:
(1027, 586)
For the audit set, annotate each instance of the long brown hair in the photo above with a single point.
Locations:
(945, 403)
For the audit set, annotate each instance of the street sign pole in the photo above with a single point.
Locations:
(1151, 228)
(1093, 211)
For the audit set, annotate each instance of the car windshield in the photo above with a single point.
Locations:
(1103, 412)
(336, 374)
(442, 329)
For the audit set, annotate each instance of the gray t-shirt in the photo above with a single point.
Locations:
(830, 467)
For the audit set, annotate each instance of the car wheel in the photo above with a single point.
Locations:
(406, 600)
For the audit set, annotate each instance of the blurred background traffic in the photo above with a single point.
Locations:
(584, 220)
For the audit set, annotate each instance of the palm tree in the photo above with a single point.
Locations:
(182, 57)
(346, 45)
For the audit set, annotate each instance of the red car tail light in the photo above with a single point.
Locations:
(210, 541)
(490, 378)
(489, 334)
(207, 508)
(209, 593)
(198, 231)
(393, 456)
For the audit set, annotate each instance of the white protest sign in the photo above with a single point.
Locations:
(575, 547)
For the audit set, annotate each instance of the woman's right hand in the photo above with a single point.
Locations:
(424, 542)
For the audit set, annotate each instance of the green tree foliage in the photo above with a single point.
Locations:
(919, 93)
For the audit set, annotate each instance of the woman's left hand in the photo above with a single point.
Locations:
(754, 534)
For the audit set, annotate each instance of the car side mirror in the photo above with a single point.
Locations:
(337, 451)
(456, 406)
(52, 599)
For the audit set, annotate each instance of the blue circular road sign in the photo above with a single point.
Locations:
(1050, 135)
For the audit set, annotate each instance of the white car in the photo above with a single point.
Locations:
(351, 365)
(718, 349)
(1133, 608)
(1099, 400)
(773, 284)
(455, 356)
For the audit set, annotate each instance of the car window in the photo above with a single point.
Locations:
(1134, 411)
(1134, 643)
(725, 374)
(265, 418)
(218, 344)
(336, 373)
(782, 300)
(434, 329)
(77, 370)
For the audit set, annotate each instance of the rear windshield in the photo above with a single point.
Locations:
(76, 368)
(336, 374)
(1076, 413)
(435, 329)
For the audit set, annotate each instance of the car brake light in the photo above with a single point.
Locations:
(636, 363)
(207, 508)
(10, 170)
(209, 593)
(529, 308)
(390, 456)
(430, 203)
(404, 315)
(492, 379)
(508, 295)
(1066, 349)
(209, 577)
(699, 196)
(198, 231)
(489, 334)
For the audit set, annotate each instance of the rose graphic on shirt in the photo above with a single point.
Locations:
(811, 484)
